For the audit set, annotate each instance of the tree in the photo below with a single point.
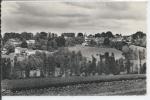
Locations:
(42, 56)
(43, 35)
(9, 47)
(24, 44)
(114, 66)
(78, 40)
(109, 34)
(143, 69)
(103, 34)
(11, 35)
(6, 68)
(92, 43)
(51, 63)
(128, 65)
(98, 35)
(80, 35)
(42, 44)
(37, 37)
(0, 41)
(60, 41)
(70, 41)
(138, 34)
(107, 63)
(79, 54)
(26, 35)
(106, 41)
(117, 35)
(93, 64)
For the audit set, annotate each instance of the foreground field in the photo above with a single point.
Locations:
(134, 84)
(128, 87)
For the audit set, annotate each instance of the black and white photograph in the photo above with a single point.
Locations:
(73, 48)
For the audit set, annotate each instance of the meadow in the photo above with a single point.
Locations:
(91, 85)
(88, 51)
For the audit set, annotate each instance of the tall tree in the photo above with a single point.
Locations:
(93, 64)
(106, 41)
(103, 34)
(80, 34)
(109, 34)
(43, 35)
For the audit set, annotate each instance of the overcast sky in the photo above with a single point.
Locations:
(90, 17)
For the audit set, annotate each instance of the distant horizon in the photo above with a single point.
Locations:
(87, 33)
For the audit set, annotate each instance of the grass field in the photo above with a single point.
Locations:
(88, 51)
(124, 87)
(49, 82)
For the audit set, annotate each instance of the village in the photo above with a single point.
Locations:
(28, 56)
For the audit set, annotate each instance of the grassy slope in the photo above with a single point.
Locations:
(88, 51)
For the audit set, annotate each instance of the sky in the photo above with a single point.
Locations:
(88, 17)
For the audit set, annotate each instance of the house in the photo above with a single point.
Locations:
(87, 39)
(4, 51)
(117, 39)
(24, 51)
(31, 52)
(30, 42)
(35, 73)
(100, 40)
(19, 50)
(15, 42)
(85, 44)
(127, 38)
(57, 72)
(20, 74)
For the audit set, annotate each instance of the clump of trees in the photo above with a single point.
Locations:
(139, 38)
(9, 47)
(106, 41)
(21, 36)
(69, 63)
(138, 34)
(48, 41)
(107, 34)
(134, 54)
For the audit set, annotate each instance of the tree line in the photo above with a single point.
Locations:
(69, 63)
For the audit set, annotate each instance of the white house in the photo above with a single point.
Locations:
(35, 73)
(30, 42)
(4, 51)
(57, 72)
(19, 50)
(31, 52)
